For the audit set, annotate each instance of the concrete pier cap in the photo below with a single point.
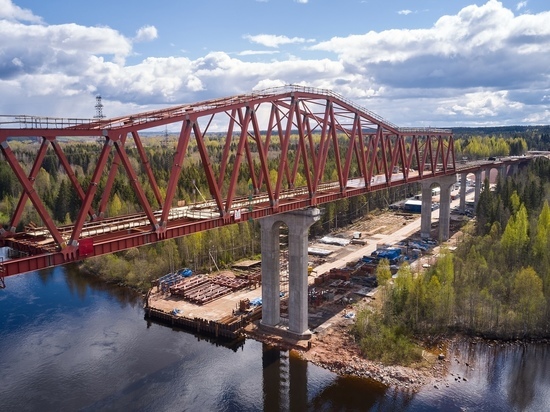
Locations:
(298, 223)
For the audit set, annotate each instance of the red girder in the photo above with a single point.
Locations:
(247, 124)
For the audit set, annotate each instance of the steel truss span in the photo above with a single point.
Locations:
(299, 127)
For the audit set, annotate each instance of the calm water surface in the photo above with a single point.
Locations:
(68, 343)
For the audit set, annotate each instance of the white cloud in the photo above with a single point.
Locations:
(404, 12)
(483, 65)
(272, 40)
(480, 46)
(521, 5)
(485, 103)
(257, 52)
(301, 1)
(146, 33)
(542, 117)
(10, 11)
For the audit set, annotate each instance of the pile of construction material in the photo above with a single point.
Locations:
(204, 289)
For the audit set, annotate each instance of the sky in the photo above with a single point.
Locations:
(439, 63)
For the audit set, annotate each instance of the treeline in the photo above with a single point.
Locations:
(477, 147)
(495, 284)
(482, 142)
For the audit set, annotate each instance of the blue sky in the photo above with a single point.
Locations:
(414, 62)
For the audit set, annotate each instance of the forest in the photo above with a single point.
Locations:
(496, 284)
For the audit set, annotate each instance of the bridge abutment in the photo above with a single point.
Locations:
(298, 223)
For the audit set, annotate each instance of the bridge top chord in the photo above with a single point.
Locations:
(23, 122)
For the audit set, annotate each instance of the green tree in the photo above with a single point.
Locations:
(528, 297)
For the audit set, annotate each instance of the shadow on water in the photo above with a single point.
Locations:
(286, 388)
(233, 344)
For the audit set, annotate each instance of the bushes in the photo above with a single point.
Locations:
(385, 343)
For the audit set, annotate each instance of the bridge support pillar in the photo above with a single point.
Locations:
(298, 223)
(426, 211)
(477, 192)
(512, 170)
(271, 311)
(503, 171)
(463, 188)
(445, 184)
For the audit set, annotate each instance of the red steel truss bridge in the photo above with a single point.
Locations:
(305, 125)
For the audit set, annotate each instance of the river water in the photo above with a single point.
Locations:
(68, 343)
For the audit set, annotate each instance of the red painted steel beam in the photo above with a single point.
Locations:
(70, 173)
(113, 170)
(181, 150)
(210, 178)
(90, 193)
(303, 110)
(227, 146)
(285, 141)
(134, 181)
(147, 166)
(263, 154)
(24, 196)
(31, 193)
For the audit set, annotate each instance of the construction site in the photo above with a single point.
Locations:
(341, 272)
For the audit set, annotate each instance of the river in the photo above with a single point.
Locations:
(70, 343)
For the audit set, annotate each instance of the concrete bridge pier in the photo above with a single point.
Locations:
(503, 171)
(463, 182)
(298, 223)
(477, 191)
(445, 184)
(426, 210)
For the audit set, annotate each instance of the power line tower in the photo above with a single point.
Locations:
(98, 108)
(164, 142)
(99, 115)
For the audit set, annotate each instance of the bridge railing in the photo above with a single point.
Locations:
(41, 122)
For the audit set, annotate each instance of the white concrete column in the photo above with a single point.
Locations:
(477, 192)
(463, 188)
(271, 285)
(445, 184)
(299, 223)
(426, 211)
